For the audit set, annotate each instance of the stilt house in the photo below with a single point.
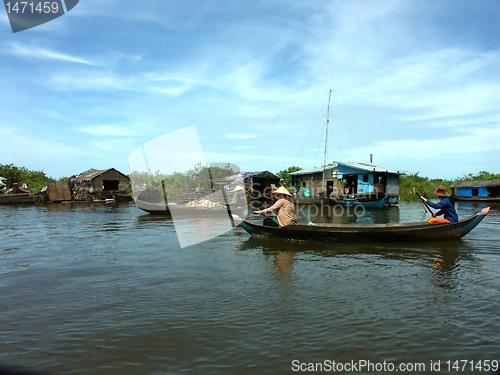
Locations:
(476, 190)
(364, 181)
(105, 183)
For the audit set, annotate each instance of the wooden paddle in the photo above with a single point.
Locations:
(426, 206)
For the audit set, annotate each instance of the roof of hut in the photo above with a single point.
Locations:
(360, 166)
(488, 183)
(93, 173)
(261, 174)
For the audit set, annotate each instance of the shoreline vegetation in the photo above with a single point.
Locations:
(36, 180)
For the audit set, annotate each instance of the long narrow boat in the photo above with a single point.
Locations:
(22, 198)
(420, 231)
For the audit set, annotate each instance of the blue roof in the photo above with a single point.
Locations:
(310, 171)
(361, 166)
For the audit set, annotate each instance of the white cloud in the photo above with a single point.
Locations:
(107, 130)
(445, 82)
(102, 80)
(241, 136)
(428, 154)
(32, 52)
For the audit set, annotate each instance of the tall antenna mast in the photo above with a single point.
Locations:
(327, 123)
(326, 142)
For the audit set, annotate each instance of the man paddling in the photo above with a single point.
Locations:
(285, 208)
(445, 205)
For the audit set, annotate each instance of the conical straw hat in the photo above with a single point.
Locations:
(282, 190)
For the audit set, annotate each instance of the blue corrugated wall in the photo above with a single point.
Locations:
(467, 192)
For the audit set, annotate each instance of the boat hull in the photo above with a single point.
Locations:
(180, 210)
(476, 199)
(421, 231)
(12, 199)
(370, 204)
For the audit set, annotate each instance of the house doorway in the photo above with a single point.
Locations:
(350, 183)
(329, 188)
(110, 185)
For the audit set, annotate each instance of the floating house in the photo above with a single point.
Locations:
(362, 181)
(260, 184)
(476, 190)
(100, 184)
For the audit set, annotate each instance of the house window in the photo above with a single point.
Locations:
(475, 192)
(365, 178)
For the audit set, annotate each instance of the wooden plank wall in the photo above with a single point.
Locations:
(58, 191)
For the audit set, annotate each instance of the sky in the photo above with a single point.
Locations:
(415, 83)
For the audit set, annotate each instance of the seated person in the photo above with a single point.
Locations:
(285, 208)
(445, 205)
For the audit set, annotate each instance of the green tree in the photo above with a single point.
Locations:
(285, 174)
(481, 176)
(35, 180)
(423, 185)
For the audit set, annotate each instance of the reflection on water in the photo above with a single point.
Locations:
(443, 258)
(282, 262)
(447, 265)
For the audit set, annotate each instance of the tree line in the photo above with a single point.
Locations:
(36, 180)
(426, 186)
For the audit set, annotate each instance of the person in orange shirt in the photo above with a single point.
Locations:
(284, 207)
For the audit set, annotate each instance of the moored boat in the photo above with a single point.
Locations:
(18, 195)
(154, 202)
(419, 231)
(22, 198)
(368, 204)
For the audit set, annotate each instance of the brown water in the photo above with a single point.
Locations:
(107, 290)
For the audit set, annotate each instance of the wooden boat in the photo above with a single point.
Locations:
(153, 202)
(21, 198)
(19, 195)
(419, 231)
(368, 204)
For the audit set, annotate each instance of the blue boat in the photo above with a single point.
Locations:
(369, 204)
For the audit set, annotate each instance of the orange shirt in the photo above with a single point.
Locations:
(286, 212)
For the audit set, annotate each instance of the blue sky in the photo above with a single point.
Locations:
(415, 83)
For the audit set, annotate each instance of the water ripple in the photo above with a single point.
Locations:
(109, 291)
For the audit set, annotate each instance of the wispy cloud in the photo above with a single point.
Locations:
(106, 130)
(241, 136)
(243, 147)
(104, 80)
(32, 52)
(452, 81)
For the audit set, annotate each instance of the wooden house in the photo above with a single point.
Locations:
(476, 190)
(260, 184)
(360, 180)
(100, 184)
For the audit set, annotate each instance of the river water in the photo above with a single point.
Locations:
(103, 289)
